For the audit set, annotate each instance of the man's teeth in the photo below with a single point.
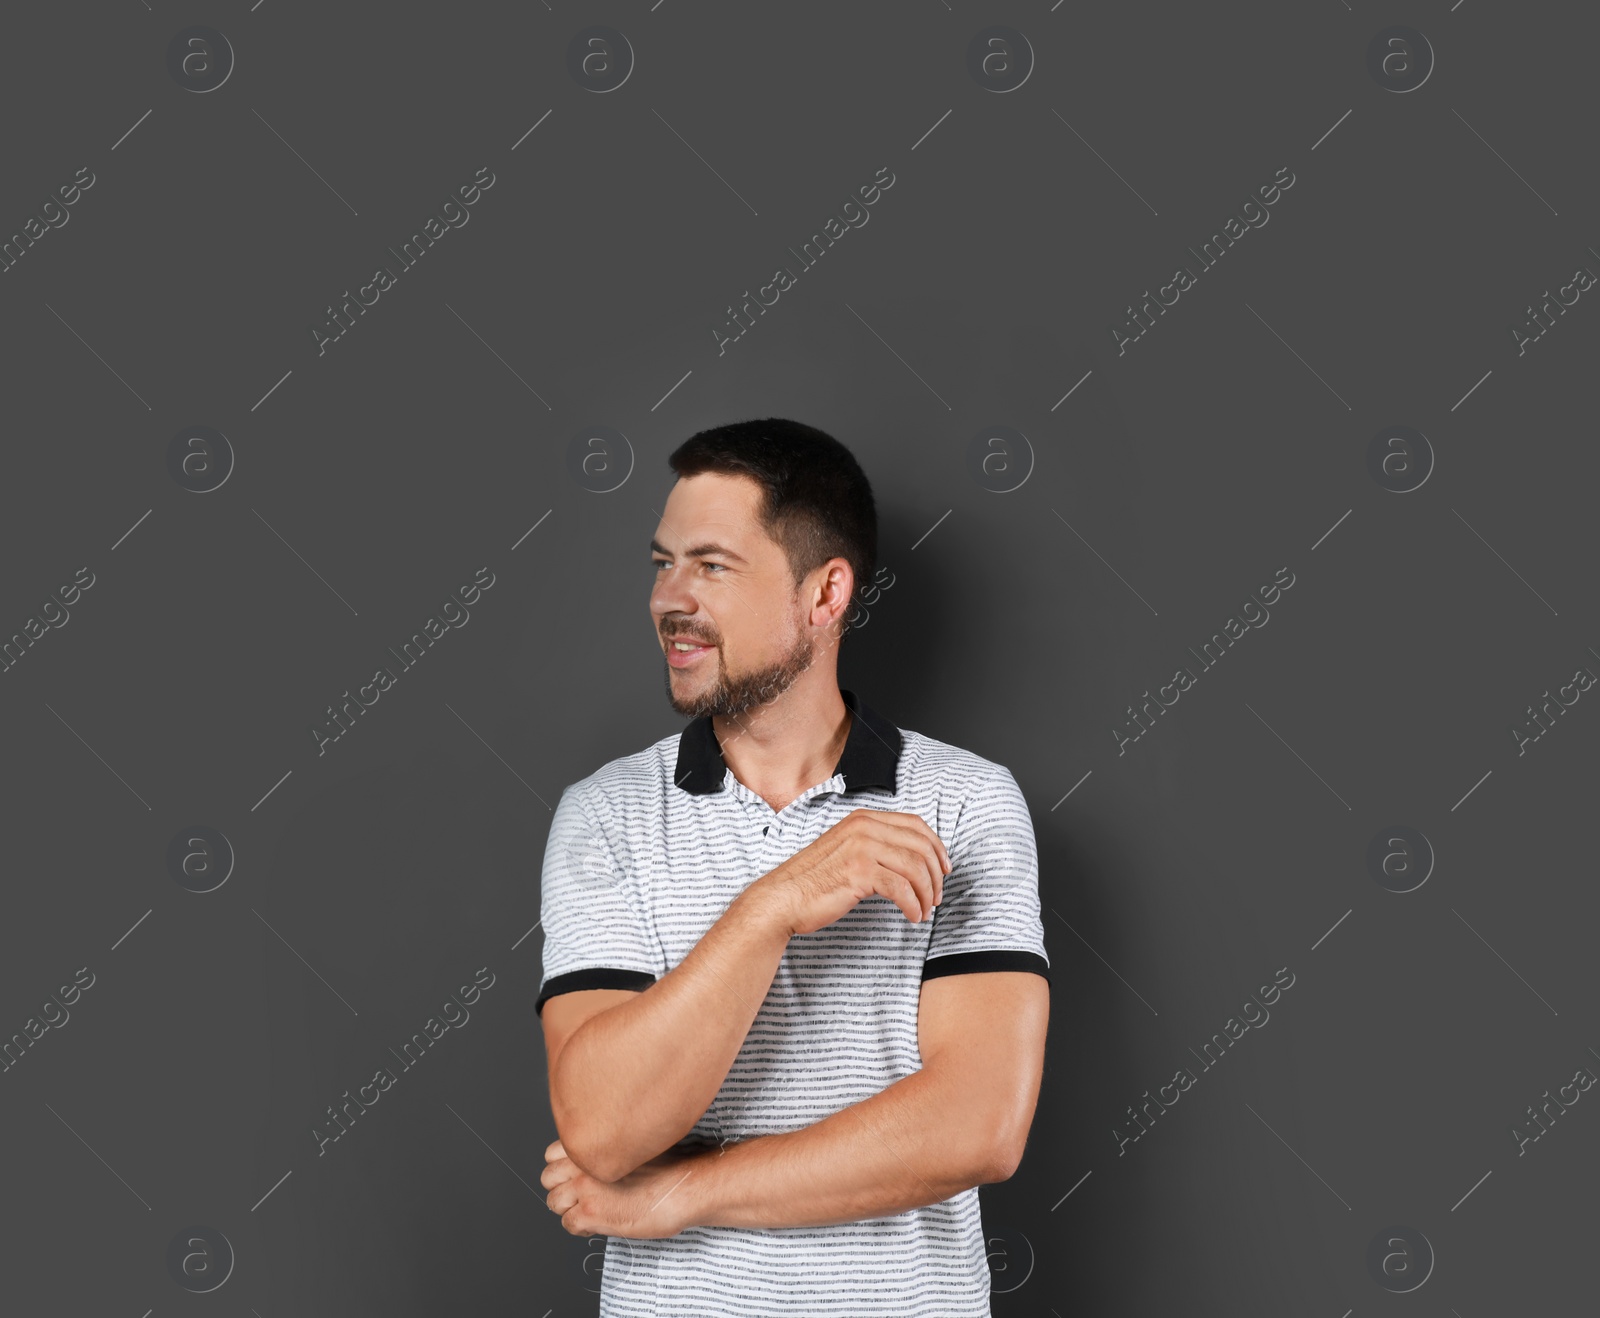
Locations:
(680, 645)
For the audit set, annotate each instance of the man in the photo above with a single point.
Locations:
(795, 989)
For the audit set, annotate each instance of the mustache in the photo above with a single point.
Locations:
(688, 636)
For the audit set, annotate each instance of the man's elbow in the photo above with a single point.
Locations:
(1006, 1138)
(1000, 1164)
(597, 1165)
(1003, 1139)
(589, 1147)
(992, 1141)
(590, 1155)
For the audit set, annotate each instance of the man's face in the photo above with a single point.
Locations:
(723, 587)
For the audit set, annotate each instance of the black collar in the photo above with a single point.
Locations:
(871, 752)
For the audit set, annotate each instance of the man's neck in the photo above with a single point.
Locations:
(781, 749)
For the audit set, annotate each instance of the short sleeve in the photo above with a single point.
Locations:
(989, 917)
(595, 931)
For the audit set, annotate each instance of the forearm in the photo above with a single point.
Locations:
(917, 1142)
(632, 1081)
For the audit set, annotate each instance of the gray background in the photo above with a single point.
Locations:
(371, 481)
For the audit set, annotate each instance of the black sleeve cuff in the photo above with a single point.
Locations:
(604, 977)
(970, 963)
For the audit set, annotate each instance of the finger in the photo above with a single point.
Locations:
(922, 867)
(939, 859)
(908, 832)
(921, 825)
(938, 842)
(554, 1150)
(903, 819)
(931, 849)
(903, 843)
(910, 883)
(909, 899)
(889, 882)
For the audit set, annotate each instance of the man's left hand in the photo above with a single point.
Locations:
(649, 1203)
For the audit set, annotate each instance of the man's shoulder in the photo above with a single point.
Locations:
(950, 768)
(636, 776)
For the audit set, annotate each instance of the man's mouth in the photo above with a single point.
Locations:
(681, 652)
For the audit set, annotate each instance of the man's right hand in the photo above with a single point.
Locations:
(888, 852)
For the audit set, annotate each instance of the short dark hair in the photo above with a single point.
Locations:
(816, 501)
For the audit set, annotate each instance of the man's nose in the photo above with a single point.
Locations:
(670, 595)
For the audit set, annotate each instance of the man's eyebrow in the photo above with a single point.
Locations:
(699, 551)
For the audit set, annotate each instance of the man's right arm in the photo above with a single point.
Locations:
(630, 1081)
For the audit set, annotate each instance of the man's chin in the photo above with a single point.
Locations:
(689, 697)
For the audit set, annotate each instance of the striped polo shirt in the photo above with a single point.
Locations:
(648, 851)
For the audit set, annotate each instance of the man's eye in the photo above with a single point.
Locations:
(717, 566)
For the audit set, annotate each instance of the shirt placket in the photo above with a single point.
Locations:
(780, 830)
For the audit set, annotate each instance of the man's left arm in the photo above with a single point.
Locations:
(962, 1120)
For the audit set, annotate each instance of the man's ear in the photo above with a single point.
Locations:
(838, 583)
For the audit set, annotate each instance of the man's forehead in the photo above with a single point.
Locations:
(707, 509)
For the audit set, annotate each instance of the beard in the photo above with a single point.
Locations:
(732, 696)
